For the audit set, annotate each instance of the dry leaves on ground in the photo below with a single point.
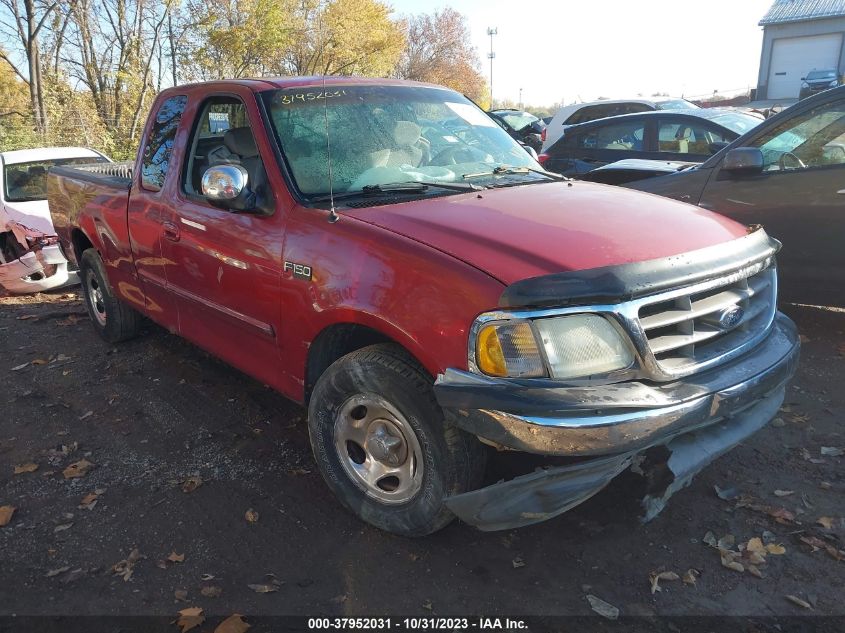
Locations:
(655, 578)
(77, 469)
(29, 467)
(233, 624)
(90, 500)
(126, 567)
(191, 483)
(211, 592)
(251, 516)
(189, 618)
(796, 600)
(604, 609)
(816, 544)
(173, 557)
(691, 577)
(826, 522)
(6, 513)
(748, 557)
(781, 515)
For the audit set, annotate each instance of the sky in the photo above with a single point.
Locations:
(566, 50)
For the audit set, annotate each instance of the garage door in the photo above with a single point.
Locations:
(794, 57)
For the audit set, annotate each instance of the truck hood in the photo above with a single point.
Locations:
(537, 229)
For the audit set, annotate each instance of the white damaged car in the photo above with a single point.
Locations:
(30, 257)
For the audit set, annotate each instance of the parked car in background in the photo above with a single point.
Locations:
(522, 126)
(787, 174)
(818, 81)
(433, 295)
(692, 135)
(30, 257)
(576, 113)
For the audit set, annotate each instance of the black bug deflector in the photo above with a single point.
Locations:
(611, 284)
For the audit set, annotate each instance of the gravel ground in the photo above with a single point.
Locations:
(155, 416)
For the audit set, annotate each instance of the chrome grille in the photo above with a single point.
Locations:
(683, 328)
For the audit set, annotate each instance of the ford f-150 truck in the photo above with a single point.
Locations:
(384, 253)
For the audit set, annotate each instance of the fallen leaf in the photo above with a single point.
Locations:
(784, 493)
(655, 579)
(518, 562)
(296, 472)
(752, 569)
(6, 513)
(775, 549)
(796, 600)
(39, 361)
(832, 451)
(77, 469)
(755, 545)
(27, 317)
(190, 618)
(233, 624)
(340, 599)
(427, 605)
(604, 609)
(181, 595)
(251, 516)
(211, 592)
(825, 485)
(176, 558)
(125, 567)
(804, 339)
(207, 577)
(192, 483)
(56, 572)
(62, 528)
(726, 542)
(710, 539)
(73, 576)
(85, 415)
(90, 500)
(691, 577)
(19, 367)
(263, 588)
(826, 522)
(728, 560)
(29, 467)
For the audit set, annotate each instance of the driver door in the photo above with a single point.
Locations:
(799, 198)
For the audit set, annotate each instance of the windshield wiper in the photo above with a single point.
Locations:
(412, 186)
(507, 170)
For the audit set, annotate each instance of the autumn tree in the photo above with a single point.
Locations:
(23, 24)
(438, 50)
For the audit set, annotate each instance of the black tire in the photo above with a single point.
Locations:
(452, 461)
(113, 320)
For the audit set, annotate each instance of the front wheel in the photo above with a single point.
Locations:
(113, 320)
(383, 445)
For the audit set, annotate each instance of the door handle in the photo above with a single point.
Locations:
(171, 231)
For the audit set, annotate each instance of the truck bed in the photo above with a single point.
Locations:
(97, 191)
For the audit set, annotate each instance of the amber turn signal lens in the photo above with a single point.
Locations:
(491, 359)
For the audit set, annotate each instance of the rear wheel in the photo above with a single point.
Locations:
(113, 320)
(383, 445)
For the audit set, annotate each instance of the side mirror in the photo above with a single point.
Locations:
(224, 183)
(743, 160)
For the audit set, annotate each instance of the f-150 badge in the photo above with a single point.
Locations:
(300, 271)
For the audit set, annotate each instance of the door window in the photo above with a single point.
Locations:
(627, 136)
(689, 137)
(156, 159)
(814, 139)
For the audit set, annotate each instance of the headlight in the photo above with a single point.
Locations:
(804, 84)
(572, 346)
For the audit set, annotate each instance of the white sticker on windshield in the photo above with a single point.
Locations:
(451, 139)
(471, 114)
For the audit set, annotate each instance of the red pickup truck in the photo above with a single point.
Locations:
(384, 253)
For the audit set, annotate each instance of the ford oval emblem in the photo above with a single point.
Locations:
(730, 317)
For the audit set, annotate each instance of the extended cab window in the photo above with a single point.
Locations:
(159, 146)
(622, 136)
(814, 139)
(223, 136)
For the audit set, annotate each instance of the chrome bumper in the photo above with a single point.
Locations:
(546, 418)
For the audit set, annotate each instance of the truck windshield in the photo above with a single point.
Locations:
(24, 182)
(382, 135)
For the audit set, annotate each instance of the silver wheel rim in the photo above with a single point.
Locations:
(95, 298)
(378, 449)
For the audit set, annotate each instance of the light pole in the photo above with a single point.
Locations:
(520, 99)
(491, 31)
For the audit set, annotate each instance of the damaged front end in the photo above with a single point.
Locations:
(32, 262)
(693, 390)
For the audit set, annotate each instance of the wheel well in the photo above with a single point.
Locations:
(80, 244)
(333, 343)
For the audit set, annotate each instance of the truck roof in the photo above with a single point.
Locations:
(270, 83)
(17, 156)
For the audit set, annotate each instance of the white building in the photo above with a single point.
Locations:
(799, 36)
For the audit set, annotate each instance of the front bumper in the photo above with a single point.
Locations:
(697, 418)
(34, 271)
